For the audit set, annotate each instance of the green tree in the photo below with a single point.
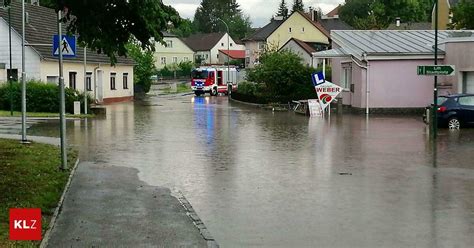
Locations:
(144, 68)
(207, 14)
(283, 77)
(463, 15)
(378, 14)
(283, 9)
(184, 29)
(108, 25)
(298, 6)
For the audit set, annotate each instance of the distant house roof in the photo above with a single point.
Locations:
(387, 42)
(40, 29)
(411, 26)
(235, 54)
(334, 12)
(309, 47)
(263, 33)
(305, 46)
(203, 42)
(334, 24)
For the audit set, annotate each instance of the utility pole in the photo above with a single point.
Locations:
(435, 95)
(62, 107)
(23, 76)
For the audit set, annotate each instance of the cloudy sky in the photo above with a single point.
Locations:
(260, 11)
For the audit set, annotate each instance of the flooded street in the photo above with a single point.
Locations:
(264, 179)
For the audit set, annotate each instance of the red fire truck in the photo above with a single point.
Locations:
(213, 80)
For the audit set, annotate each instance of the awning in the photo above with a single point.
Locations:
(332, 53)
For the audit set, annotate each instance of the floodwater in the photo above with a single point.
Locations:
(263, 179)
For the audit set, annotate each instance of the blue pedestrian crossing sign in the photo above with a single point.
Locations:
(67, 46)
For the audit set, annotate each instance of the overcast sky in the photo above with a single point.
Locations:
(260, 11)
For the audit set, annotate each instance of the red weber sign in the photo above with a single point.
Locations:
(25, 224)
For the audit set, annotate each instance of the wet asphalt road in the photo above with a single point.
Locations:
(264, 179)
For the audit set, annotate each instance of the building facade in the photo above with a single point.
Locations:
(105, 83)
(174, 51)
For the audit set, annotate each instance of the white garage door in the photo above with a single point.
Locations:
(468, 82)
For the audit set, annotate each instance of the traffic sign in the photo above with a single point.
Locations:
(67, 46)
(436, 70)
(318, 78)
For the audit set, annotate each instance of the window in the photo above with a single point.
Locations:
(89, 81)
(169, 44)
(112, 81)
(346, 77)
(72, 80)
(302, 30)
(261, 45)
(125, 81)
(467, 100)
(52, 80)
(13, 74)
(289, 30)
(222, 44)
(175, 60)
(185, 59)
(217, 56)
(231, 44)
(163, 60)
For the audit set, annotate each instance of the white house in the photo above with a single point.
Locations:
(207, 46)
(174, 51)
(105, 83)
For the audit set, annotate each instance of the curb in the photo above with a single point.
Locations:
(247, 103)
(206, 235)
(58, 209)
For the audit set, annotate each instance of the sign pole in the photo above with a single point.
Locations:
(435, 95)
(85, 80)
(23, 76)
(62, 107)
(10, 77)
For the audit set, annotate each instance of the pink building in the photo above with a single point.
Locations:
(378, 68)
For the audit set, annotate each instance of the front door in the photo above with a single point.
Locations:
(468, 82)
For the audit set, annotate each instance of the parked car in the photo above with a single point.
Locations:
(455, 111)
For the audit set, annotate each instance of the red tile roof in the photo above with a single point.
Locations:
(334, 12)
(235, 54)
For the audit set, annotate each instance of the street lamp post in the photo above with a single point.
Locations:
(228, 50)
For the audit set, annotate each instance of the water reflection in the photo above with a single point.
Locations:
(259, 178)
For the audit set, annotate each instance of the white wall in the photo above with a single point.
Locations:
(32, 59)
(50, 68)
(295, 48)
(222, 45)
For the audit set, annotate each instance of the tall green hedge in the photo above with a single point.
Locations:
(40, 97)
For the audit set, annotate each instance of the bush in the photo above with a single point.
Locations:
(328, 72)
(284, 76)
(40, 97)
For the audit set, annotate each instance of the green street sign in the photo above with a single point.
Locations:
(436, 70)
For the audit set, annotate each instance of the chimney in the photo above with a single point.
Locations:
(398, 21)
(314, 15)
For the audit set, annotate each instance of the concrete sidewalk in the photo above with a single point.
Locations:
(109, 206)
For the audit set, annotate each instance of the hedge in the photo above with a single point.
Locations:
(40, 97)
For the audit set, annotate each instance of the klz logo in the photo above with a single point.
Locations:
(25, 224)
